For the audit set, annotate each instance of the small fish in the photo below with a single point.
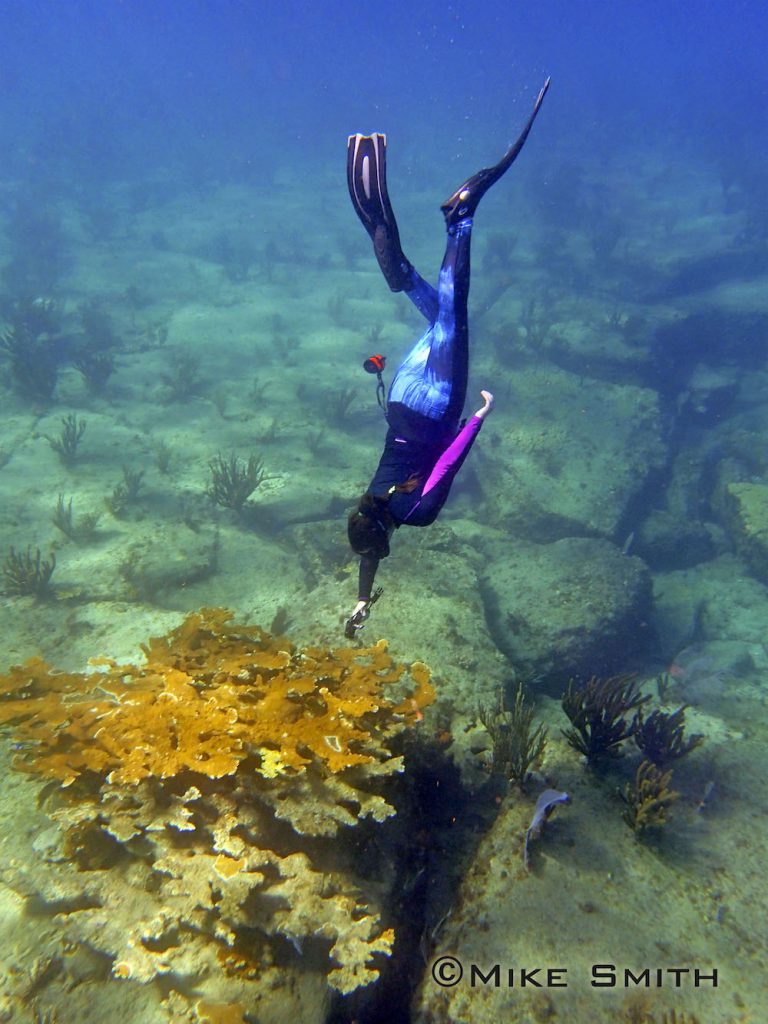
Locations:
(628, 543)
(418, 714)
(546, 803)
(705, 796)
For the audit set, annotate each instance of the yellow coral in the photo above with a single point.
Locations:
(209, 695)
(647, 802)
(195, 763)
(220, 1013)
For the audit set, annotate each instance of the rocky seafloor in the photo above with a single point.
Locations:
(613, 517)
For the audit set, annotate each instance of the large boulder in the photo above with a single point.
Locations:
(577, 607)
(747, 521)
(667, 540)
(567, 456)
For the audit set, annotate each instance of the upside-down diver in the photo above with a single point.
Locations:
(426, 444)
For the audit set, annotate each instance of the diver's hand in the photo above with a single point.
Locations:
(488, 400)
(356, 620)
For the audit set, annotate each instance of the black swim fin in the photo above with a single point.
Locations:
(464, 200)
(367, 180)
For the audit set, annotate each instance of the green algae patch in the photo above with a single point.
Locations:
(748, 520)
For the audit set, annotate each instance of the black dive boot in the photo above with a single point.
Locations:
(367, 180)
(464, 200)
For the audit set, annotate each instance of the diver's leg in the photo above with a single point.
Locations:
(423, 296)
(432, 379)
(367, 181)
(449, 355)
(464, 200)
(446, 368)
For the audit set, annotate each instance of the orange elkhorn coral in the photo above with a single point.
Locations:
(209, 696)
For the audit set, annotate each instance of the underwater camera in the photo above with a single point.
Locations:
(375, 364)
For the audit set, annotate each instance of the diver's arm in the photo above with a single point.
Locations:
(450, 462)
(357, 619)
(368, 567)
(368, 597)
(439, 481)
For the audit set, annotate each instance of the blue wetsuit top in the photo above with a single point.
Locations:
(435, 466)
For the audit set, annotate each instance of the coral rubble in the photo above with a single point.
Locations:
(198, 790)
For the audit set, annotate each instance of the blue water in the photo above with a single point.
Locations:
(90, 91)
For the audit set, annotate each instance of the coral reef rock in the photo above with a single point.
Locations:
(747, 506)
(566, 609)
(577, 456)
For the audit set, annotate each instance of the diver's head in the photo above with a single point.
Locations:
(368, 527)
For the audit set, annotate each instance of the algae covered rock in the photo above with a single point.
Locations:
(168, 560)
(669, 541)
(575, 607)
(573, 457)
(706, 603)
(747, 514)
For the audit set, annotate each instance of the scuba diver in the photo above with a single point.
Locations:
(426, 443)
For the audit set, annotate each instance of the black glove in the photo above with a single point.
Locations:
(357, 621)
